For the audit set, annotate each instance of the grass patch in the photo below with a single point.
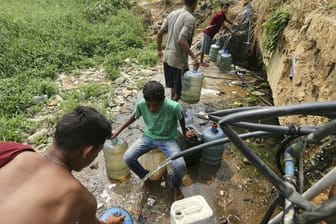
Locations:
(40, 39)
(274, 26)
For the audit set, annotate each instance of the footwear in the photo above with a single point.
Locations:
(145, 187)
(203, 64)
(177, 194)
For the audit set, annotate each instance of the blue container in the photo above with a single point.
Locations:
(213, 155)
(117, 212)
(188, 117)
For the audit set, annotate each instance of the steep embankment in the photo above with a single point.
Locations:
(310, 39)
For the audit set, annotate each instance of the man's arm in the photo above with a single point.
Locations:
(88, 209)
(159, 43)
(186, 132)
(186, 48)
(129, 121)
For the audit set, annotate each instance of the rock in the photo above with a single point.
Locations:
(146, 72)
(94, 166)
(120, 80)
(258, 93)
(37, 135)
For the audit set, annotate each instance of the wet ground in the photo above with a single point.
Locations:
(233, 189)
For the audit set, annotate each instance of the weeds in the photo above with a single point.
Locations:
(274, 25)
(59, 36)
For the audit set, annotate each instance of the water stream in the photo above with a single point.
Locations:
(160, 166)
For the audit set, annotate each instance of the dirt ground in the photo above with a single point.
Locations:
(235, 191)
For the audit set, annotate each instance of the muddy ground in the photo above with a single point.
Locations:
(233, 189)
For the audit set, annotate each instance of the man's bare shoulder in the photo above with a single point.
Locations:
(45, 187)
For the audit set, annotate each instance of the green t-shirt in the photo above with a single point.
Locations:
(161, 125)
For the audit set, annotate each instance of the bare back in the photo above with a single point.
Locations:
(35, 190)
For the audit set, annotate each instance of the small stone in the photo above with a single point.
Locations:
(246, 161)
(37, 135)
(94, 166)
(150, 201)
(111, 186)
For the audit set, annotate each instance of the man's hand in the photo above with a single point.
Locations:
(189, 134)
(196, 63)
(115, 133)
(115, 220)
(160, 55)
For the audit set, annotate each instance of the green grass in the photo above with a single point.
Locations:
(41, 38)
(274, 25)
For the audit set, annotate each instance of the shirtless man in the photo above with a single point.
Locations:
(39, 188)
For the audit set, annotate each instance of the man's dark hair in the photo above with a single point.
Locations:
(190, 2)
(153, 91)
(82, 127)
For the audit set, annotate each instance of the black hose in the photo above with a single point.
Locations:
(322, 212)
(218, 142)
(276, 129)
(319, 108)
(322, 132)
(232, 110)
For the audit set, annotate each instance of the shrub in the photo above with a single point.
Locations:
(274, 25)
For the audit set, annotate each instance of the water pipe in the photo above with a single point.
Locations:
(284, 188)
(292, 69)
(218, 142)
(232, 110)
(317, 108)
(277, 129)
(326, 181)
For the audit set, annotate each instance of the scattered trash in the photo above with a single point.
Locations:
(94, 166)
(150, 202)
(222, 220)
(40, 98)
(258, 93)
(100, 205)
(246, 161)
(111, 186)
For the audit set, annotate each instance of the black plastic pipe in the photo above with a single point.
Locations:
(232, 110)
(318, 108)
(218, 142)
(290, 193)
(295, 130)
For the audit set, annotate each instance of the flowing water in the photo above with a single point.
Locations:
(159, 167)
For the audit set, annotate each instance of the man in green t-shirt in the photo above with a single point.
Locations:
(161, 116)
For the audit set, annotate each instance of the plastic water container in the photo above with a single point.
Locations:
(225, 62)
(188, 117)
(219, 57)
(191, 86)
(213, 52)
(213, 155)
(114, 150)
(191, 210)
(151, 160)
